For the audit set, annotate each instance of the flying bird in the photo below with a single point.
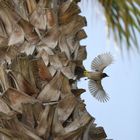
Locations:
(95, 76)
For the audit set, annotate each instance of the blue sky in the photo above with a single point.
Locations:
(120, 117)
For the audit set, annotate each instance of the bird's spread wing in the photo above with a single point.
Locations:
(100, 62)
(97, 91)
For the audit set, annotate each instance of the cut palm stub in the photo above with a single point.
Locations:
(98, 65)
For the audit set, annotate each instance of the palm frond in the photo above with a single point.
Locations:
(123, 17)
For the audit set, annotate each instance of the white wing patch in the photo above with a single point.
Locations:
(101, 61)
(97, 91)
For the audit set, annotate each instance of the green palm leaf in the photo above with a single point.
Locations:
(123, 17)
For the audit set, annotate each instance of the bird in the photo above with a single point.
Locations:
(95, 76)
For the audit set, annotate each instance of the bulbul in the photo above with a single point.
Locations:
(95, 76)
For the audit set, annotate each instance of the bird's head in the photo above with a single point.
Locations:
(104, 75)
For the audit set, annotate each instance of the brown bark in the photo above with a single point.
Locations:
(38, 97)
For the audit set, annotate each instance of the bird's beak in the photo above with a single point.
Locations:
(107, 76)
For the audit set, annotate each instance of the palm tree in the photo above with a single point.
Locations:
(39, 51)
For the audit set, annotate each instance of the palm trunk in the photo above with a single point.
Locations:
(39, 51)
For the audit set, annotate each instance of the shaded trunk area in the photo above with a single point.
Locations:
(39, 52)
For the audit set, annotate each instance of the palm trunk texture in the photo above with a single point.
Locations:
(39, 51)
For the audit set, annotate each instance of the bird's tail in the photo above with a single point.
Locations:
(80, 72)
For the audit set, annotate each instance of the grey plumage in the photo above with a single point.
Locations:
(100, 62)
(95, 86)
(96, 89)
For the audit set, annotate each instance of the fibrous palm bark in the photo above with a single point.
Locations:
(39, 51)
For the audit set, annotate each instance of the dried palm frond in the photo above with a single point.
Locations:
(4, 83)
(4, 107)
(51, 91)
(15, 98)
(38, 14)
(66, 13)
(21, 83)
(51, 38)
(39, 52)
